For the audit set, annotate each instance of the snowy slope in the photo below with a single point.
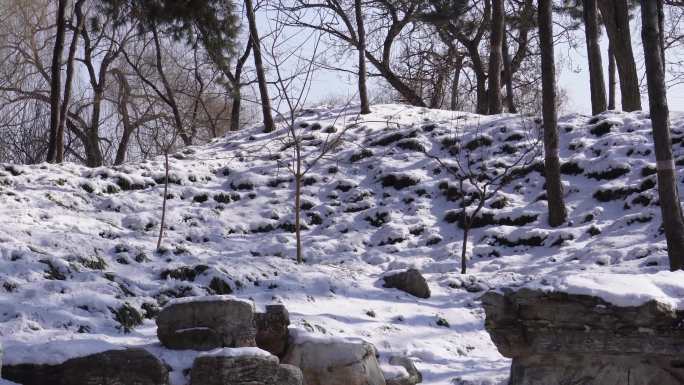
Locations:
(77, 244)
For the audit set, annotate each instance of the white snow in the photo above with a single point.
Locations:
(208, 298)
(71, 259)
(54, 352)
(236, 352)
(625, 289)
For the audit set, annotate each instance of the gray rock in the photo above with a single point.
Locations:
(335, 361)
(409, 281)
(206, 324)
(560, 338)
(243, 370)
(125, 367)
(272, 332)
(414, 376)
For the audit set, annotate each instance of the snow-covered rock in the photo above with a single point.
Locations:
(334, 361)
(207, 323)
(409, 281)
(127, 366)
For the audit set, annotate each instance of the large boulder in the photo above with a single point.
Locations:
(334, 361)
(560, 338)
(407, 375)
(409, 281)
(120, 366)
(242, 366)
(205, 323)
(272, 331)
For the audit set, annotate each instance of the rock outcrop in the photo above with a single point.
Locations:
(411, 376)
(559, 338)
(127, 366)
(332, 361)
(242, 367)
(206, 323)
(272, 332)
(409, 281)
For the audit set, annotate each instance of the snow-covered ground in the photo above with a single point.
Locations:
(78, 245)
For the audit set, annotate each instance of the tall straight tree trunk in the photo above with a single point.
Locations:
(496, 57)
(363, 74)
(453, 102)
(56, 79)
(269, 125)
(612, 80)
(508, 74)
(651, 35)
(554, 188)
(615, 15)
(591, 32)
(482, 106)
(59, 140)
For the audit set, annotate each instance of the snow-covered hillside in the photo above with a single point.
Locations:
(78, 245)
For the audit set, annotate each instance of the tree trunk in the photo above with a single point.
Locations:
(269, 125)
(657, 96)
(482, 106)
(298, 203)
(166, 193)
(453, 103)
(59, 139)
(612, 80)
(56, 80)
(464, 247)
(554, 188)
(591, 32)
(496, 57)
(615, 15)
(406, 92)
(508, 74)
(363, 73)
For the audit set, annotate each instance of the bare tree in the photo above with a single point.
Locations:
(654, 55)
(591, 31)
(269, 125)
(615, 14)
(56, 78)
(481, 177)
(497, 35)
(361, 32)
(554, 187)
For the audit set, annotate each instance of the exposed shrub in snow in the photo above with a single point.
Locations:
(482, 141)
(363, 154)
(612, 172)
(399, 181)
(127, 317)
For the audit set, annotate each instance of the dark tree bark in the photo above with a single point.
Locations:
(615, 15)
(56, 80)
(496, 57)
(269, 125)
(554, 188)
(406, 92)
(508, 75)
(59, 139)
(651, 35)
(237, 92)
(591, 32)
(363, 73)
(453, 102)
(612, 80)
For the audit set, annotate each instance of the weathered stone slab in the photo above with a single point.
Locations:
(125, 367)
(560, 338)
(242, 367)
(272, 331)
(206, 323)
